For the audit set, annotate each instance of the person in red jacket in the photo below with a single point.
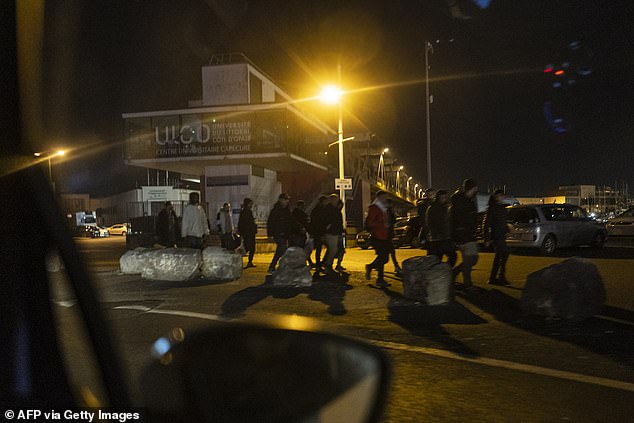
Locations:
(377, 223)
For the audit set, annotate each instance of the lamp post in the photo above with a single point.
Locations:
(428, 48)
(398, 177)
(332, 95)
(415, 191)
(49, 155)
(380, 172)
(407, 193)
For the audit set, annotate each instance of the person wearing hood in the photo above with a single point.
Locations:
(422, 206)
(167, 226)
(248, 229)
(439, 235)
(377, 223)
(280, 226)
(464, 221)
(495, 230)
(317, 228)
(194, 227)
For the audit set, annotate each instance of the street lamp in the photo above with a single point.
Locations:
(428, 48)
(48, 156)
(380, 172)
(333, 95)
(416, 191)
(407, 186)
(398, 177)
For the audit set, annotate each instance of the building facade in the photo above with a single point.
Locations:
(244, 138)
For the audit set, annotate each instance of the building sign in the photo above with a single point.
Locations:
(155, 193)
(205, 135)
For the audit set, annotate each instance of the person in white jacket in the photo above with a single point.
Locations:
(225, 224)
(194, 226)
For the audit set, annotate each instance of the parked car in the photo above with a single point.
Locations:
(118, 229)
(622, 225)
(551, 226)
(99, 232)
(406, 231)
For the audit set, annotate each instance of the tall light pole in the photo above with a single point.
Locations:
(415, 191)
(428, 48)
(407, 193)
(332, 95)
(398, 177)
(49, 155)
(380, 172)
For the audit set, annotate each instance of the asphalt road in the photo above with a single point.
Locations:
(477, 360)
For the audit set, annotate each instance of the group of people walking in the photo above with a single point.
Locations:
(323, 228)
(447, 223)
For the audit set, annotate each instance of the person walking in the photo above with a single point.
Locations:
(464, 221)
(333, 221)
(225, 226)
(194, 226)
(248, 229)
(439, 229)
(421, 207)
(280, 226)
(390, 236)
(377, 223)
(298, 239)
(301, 238)
(167, 226)
(495, 230)
(318, 228)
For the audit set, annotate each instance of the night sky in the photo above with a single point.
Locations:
(488, 84)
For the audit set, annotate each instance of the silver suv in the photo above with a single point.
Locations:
(551, 226)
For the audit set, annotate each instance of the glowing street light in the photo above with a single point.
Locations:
(331, 94)
(407, 186)
(48, 155)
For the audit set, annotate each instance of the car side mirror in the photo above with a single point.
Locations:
(240, 373)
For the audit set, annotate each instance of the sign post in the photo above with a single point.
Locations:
(343, 183)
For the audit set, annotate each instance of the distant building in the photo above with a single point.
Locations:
(601, 200)
(119, 208)
(245, 138)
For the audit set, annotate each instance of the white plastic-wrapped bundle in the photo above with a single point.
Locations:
(134, 261)
(220, 264)
(292, 270)
(172, 264)
(425, 278)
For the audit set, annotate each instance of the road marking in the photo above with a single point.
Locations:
(65, 303)
(614, 319)
(491, 362)
(192, 314)
(511, 365)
